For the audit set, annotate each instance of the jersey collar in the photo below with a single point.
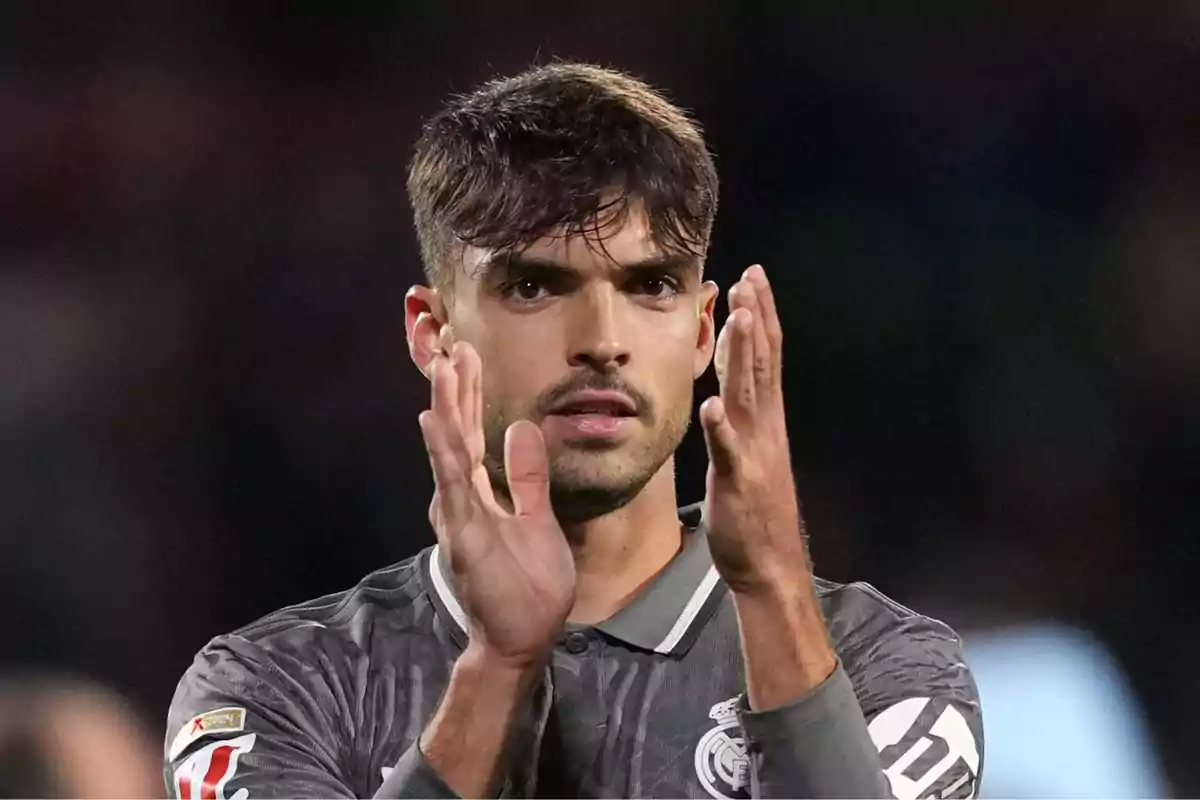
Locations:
(665, 617)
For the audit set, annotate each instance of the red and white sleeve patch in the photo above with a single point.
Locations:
(231, 719)
(205, 773)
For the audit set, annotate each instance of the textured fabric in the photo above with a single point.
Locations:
(338, 690)
(412, 777)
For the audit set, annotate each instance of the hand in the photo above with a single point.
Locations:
(755, 531)
(513, 571)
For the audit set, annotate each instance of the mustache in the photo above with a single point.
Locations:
(593, 381)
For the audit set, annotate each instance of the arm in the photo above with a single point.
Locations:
(805, 725)
(802, 719)
(912, 730)
(513, 570)
(240, 727)
(461, 753)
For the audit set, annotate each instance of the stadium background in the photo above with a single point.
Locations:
(983, 221)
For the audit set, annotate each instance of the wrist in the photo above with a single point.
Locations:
(773, 580)
(501, 671)
(487, 695)
(785, 641)
(788, 603)
(767, 570)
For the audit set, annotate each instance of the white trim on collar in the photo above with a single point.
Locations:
(688, 615)
(683, 623)
(444, 591)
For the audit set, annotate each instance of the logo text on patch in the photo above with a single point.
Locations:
(220, 720)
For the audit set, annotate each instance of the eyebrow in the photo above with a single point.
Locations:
(508, 263)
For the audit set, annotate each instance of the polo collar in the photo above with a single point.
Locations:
(665, 617)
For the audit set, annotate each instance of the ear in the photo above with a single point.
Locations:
(706, 338)
(425, 325)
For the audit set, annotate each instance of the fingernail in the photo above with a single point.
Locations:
(755, 272)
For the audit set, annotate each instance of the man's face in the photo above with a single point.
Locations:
(599, 345)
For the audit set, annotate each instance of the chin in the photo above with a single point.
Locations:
(575, 503)
(582, 492)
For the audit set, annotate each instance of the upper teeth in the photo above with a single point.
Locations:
(609, 410)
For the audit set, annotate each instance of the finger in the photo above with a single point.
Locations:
(467, 451)
(443, 375)
(470, 401)
(719, 436)
(770, 315)
(528, 469)
(467, 438)
(462, 379)
(435, 517)
(764, 377)
(721, 356)
(737, 391)
(450, 482)
(477, 404)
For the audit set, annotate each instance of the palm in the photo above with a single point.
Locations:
(513, 570)
(516, 577)
(752, 511)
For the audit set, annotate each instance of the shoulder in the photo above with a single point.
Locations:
(914, 687)
(304, 660)
(297, 678)
(862, 618)
(893, 653)
(393, 600)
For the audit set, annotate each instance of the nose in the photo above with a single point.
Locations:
(598, 340)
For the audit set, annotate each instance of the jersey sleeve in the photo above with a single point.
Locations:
(246, 723)
(907, 726)
(922, 708)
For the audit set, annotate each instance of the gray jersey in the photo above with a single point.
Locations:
(328, 699)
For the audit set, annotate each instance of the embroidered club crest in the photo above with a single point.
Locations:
(722, 760)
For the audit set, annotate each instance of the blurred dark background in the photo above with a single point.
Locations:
(983, 221)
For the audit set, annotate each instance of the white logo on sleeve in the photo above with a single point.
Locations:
(204, 774)
(722, 761)
(950, 733)
(220, 720)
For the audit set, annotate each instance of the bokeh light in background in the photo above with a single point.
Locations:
(983, 220)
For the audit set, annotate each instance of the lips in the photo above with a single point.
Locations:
(610, 404)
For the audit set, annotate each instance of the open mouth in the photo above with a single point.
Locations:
(596, 403)
(605, 416)
(599, 409)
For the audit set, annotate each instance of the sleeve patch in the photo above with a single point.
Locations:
(205, 773)
(221, 720)
(920, 750)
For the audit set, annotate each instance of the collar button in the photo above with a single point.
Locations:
(576, 642)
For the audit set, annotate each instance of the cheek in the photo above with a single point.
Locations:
(512, 375)
(674, 342)
(672, 356)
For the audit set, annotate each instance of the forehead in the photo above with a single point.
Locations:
(623, 240)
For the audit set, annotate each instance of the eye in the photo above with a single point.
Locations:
(526, 290)
(532, 290)
(657, 286)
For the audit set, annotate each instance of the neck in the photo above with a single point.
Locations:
(618, 553)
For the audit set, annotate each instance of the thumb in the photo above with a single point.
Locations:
(527, 468)
(719, 436)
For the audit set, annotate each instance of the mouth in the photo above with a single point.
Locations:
(599, 419)
(601, 404)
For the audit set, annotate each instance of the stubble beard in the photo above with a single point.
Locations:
(581, 491)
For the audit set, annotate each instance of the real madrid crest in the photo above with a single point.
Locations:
(722, 759)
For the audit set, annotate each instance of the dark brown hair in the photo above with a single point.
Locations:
(561, 149)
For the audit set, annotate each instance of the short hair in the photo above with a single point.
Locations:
(560, 149)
